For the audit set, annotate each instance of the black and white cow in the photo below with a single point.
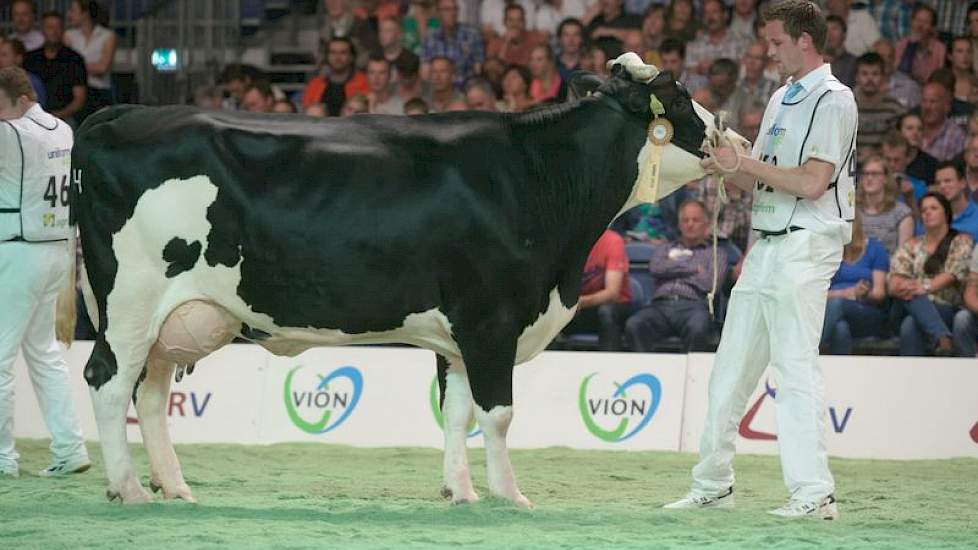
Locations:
(463, 233)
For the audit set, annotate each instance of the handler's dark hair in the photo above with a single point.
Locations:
(799, 16)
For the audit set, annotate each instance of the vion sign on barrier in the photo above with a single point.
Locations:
(319, 403)
(615, 412)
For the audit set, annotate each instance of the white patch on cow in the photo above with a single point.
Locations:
(502, 480)
(457, 410)
(638, 69)
(537, 336)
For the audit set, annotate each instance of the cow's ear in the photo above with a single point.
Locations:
(583, 83)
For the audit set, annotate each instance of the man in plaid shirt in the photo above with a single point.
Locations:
(457, 41)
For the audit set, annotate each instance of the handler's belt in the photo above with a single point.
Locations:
(791, 229)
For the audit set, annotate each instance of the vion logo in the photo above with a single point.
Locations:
(608, 410)
(318, 404)
(436, 410)
(839, 419)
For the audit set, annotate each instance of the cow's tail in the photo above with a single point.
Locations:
(64, 327)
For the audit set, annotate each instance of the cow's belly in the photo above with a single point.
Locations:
(537, 336)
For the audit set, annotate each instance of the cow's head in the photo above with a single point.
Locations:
(641, 89)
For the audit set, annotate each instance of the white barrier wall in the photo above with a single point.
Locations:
(878, 407)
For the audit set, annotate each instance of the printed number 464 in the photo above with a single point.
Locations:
(53, 193)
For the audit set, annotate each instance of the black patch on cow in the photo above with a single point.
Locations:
(180, 256)
(253, 334)
(101, 366)
(139, 382)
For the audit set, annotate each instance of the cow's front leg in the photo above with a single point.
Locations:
(457, 415)
(502, 480)
(110, 393)
(151, 398)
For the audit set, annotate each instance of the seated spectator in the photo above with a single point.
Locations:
(340, 21)
(680, 23)
(754, 82)
(883, 217)
(409, 82)
(896, 84)
(492, 17)
(317, 110)
(862, 28)
(595, 60)
(415, 106)
(61, 69)
(383, 98)
(960, 61)
(460, 43)
(258, 98)
(743, 19)
(715, 42)
(284, 106)
(606, 294)
(965, 326)
(893, 17)
(90, 36)
(337, 80)
(725, 94)
(970, 161)
(389, 36)
(950, 183)
(12, 55)
(551, 14)
(921, 53)
(961, 111)
(443, 96)
(546, 83)
(570, 45)
(856, 294)
(922, 165)
(479, 95)
(652, 33)
(684, 274)
(843, 63)
(606, 25)
(516, 89)
(235, 78)
(23, 15)
(516, 44)
(673, 55)
(896, 154)
(355, 105)
(206, 97)
(926, 278)
(420, 20)
(878, 112)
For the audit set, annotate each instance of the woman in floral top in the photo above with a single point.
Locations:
(927, 275)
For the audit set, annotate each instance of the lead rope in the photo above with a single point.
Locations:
(717, 136)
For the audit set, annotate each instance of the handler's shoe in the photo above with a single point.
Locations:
(66, 467)
(824, 509)
(9, 470)
(694, 502)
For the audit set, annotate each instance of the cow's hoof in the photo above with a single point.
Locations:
(139, 496)
(155, 486)
(445, 493)
(522, 502)
(111, 495)
(181, 493)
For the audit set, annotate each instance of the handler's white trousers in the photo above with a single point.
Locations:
(774, 318)
(31, 275)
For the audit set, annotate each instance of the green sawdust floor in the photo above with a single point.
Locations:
(325, 496)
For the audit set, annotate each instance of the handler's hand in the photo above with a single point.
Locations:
(725, 156)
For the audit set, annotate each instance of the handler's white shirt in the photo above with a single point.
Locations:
(818, 122)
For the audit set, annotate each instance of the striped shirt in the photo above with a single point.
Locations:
(876, 119)
(884, 226)
(893, 17)
(951, 15)
(684, 272)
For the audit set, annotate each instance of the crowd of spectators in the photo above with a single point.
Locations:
(911, 271)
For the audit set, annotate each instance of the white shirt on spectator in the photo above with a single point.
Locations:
(91, 51)
(32, 39)
(548, 17)
(861, 32)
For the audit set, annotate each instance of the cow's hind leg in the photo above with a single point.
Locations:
(151, 398)
(457, 415)
(490, 370)
(111, 383)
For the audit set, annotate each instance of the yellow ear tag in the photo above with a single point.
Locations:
(656, 106)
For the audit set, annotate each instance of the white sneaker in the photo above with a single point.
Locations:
(66, 467)
(10, 471)
(692, 502)
(824, 509)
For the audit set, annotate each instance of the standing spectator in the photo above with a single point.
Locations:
(755, 84)
(12, 55)
(856, 294)
(715, 42)
(551, 13)
(96, 44)
(258, 98)
(338, 79)
(570, 47)
(843, 63)
(383, 98)
(606, 294)
(546, 84)
(60, 68)
(516, 43)
(896, 84)
(673, 55)
(23, 14)
(683, 270)
(883, 217)
(922, 165)
(921, 53)
(896, 153)
(608, 25)
(960, 62)
(726, 95)
(950, 183)
(680, 23)
(942, 138)
(893, 17)
(878, 112)
(458, 42)
(340, 22)
(516, 89)
(743, 20)
(444, 95)
(971, 167)
(862, 30)
(926, 280)
(390, 39)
